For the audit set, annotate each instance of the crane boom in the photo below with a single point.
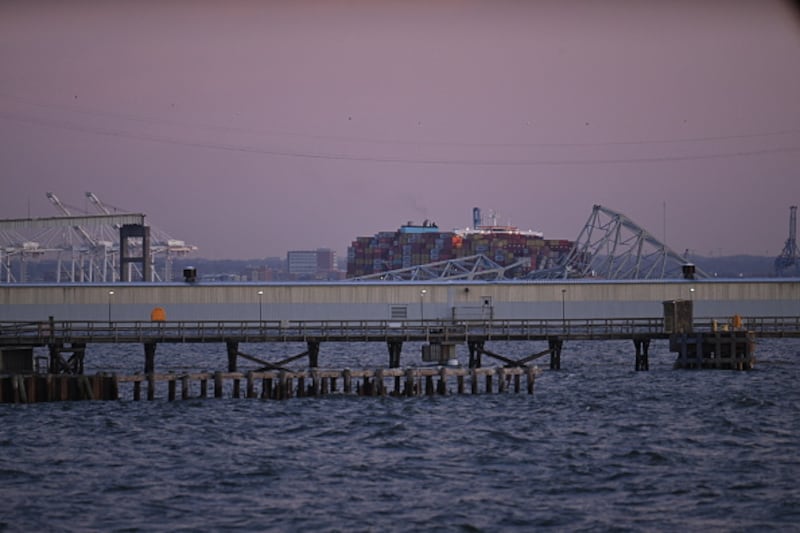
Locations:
(81, 231)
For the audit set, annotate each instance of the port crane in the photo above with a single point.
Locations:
(163, 244)
(788, 262)
(100, 254)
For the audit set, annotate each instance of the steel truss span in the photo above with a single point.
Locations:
(474, 267)
(612, 246)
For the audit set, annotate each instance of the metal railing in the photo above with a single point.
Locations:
(41, 333)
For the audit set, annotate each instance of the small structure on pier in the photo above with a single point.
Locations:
(730, 347)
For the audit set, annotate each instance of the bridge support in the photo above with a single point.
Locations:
(475, 351)
(642, 346)
(395, 347)
(149, 357)
(313, 354)
(555, 344)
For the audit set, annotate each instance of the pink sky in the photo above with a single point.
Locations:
(252, 128)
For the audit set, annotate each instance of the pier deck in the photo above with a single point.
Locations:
(219, 331)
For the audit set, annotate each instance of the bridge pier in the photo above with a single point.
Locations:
(395, 347)
(149, 357)
(313, 354)
(642, 346)
(475, 352)
(555, 344)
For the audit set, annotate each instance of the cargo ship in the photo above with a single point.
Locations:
(419, 244)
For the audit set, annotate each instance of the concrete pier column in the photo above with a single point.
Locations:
(395, 347)
(149, 357)
(555, 344)
(313, 354)
(233, 355)
(642, 347)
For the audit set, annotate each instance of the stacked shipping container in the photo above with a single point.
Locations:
(417, 245)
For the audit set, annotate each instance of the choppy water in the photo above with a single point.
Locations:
(598, 447)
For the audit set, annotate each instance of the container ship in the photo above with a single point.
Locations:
(418, 244)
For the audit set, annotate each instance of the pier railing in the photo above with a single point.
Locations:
(48, 332)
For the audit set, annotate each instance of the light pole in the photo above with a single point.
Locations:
(691, 293)
(110, 294)
(563, 310)
(260, 294)
(421, 305)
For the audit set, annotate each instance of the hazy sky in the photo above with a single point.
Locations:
(251, 128)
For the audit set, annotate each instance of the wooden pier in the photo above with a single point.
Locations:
(60, 375)
(273, 385)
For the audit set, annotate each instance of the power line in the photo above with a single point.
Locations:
(396, 160)
(340, 138)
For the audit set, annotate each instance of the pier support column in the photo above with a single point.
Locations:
(233, 355)
(149, 357)
(395, 347)
(642, 358)
(475, 352)
(555, 344)
(313, 354)
(73, 365)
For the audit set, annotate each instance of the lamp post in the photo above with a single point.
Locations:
(691, 293)
(260, 294)
(421, 305)
(110, 294)
(563, 309)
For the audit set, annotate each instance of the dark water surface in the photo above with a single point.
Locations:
(598, 447)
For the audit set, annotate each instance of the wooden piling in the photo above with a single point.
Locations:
(251, 386)
(274, 385)
(217, 384)
(347, 377)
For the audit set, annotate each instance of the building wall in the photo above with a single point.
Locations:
(382, 301)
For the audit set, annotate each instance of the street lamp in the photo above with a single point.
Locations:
(421, 306)
(691, 293)
(110, 294)
(260, 294)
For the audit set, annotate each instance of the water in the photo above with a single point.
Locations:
(598, 447)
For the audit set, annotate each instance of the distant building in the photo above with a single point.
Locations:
(311, 264)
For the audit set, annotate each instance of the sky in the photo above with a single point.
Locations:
(252, 128)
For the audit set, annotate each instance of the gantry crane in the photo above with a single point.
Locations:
(101, 254)
(788, 262)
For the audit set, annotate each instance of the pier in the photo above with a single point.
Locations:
(50, 330)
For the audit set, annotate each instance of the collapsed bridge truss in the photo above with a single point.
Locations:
(610, 246)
